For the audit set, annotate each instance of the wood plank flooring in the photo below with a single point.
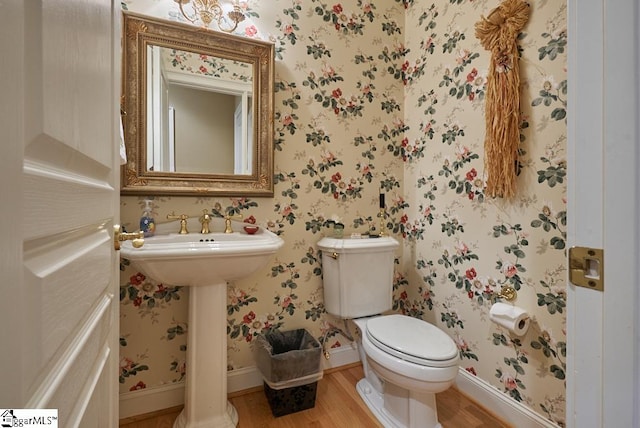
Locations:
(337, 405)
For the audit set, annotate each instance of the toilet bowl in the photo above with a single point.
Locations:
(406, 362)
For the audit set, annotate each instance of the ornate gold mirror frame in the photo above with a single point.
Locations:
(140, 32)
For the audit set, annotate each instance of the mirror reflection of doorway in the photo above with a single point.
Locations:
(198, 123)
(243, 138)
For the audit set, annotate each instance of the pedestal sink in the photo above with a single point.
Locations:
(204, 262)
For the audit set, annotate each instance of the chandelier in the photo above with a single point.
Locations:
(207, 11)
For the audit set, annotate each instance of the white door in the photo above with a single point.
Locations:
(59, 183)
(604, 191)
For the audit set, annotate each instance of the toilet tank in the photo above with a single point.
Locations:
(357, 275)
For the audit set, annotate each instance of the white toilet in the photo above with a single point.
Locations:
(406, 361)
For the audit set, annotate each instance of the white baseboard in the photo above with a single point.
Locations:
(153, 399)
(499, 403)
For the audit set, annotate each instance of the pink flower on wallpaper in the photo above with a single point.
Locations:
(251, 31)
(286, 302)
(248, 318)
(236, 295)
(336, 93)
(471, 273)
(472, 75)
(286, 210)
(462, 152)
(461, 248)
(328, 71)
(509, 270)
(471, 370)
(398, 123)
(267, 321)
(403, 295)
(137, 279)
(337, 9)
(237, 202)
(125, 364)
(461, 343)
(287, 120)
(471, 175)
(287, 29)
(463, 55)
(203, 69)
(509, 382)
(336, 177)
(138, 386)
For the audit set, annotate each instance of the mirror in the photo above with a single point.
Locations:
(197, 110)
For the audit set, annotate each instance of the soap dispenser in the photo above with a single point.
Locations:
(147, 224)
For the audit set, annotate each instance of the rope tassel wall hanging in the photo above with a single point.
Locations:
(497, 34)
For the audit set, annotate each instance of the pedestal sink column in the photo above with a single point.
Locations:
(206, 404)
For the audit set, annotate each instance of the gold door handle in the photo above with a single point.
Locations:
(137, 238)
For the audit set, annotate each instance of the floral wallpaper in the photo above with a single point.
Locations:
(387, 96)
(205, 65)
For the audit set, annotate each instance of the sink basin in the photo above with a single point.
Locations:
(205, 263)
(202, 259)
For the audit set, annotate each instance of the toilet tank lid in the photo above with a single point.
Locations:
(355, 244)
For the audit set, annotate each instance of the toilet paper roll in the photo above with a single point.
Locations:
(513, 318)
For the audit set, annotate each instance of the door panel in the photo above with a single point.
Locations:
(63, 282)
(603, 351)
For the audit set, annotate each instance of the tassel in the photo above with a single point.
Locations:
(497, 33)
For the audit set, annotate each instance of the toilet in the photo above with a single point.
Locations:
(406, 360)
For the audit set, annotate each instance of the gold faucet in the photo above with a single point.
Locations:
(183, 221)
(227, 222)
(205, 220)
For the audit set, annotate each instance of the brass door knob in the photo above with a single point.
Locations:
(137, 238)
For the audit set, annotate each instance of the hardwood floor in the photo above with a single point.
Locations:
(337, 405)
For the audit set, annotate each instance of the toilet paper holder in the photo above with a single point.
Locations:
(508, 293)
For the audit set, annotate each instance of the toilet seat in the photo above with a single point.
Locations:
(413, 340)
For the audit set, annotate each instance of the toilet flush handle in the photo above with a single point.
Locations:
(334, 255)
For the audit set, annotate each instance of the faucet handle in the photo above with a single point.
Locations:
(227, 222)
(183, 221)
(205, 219)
